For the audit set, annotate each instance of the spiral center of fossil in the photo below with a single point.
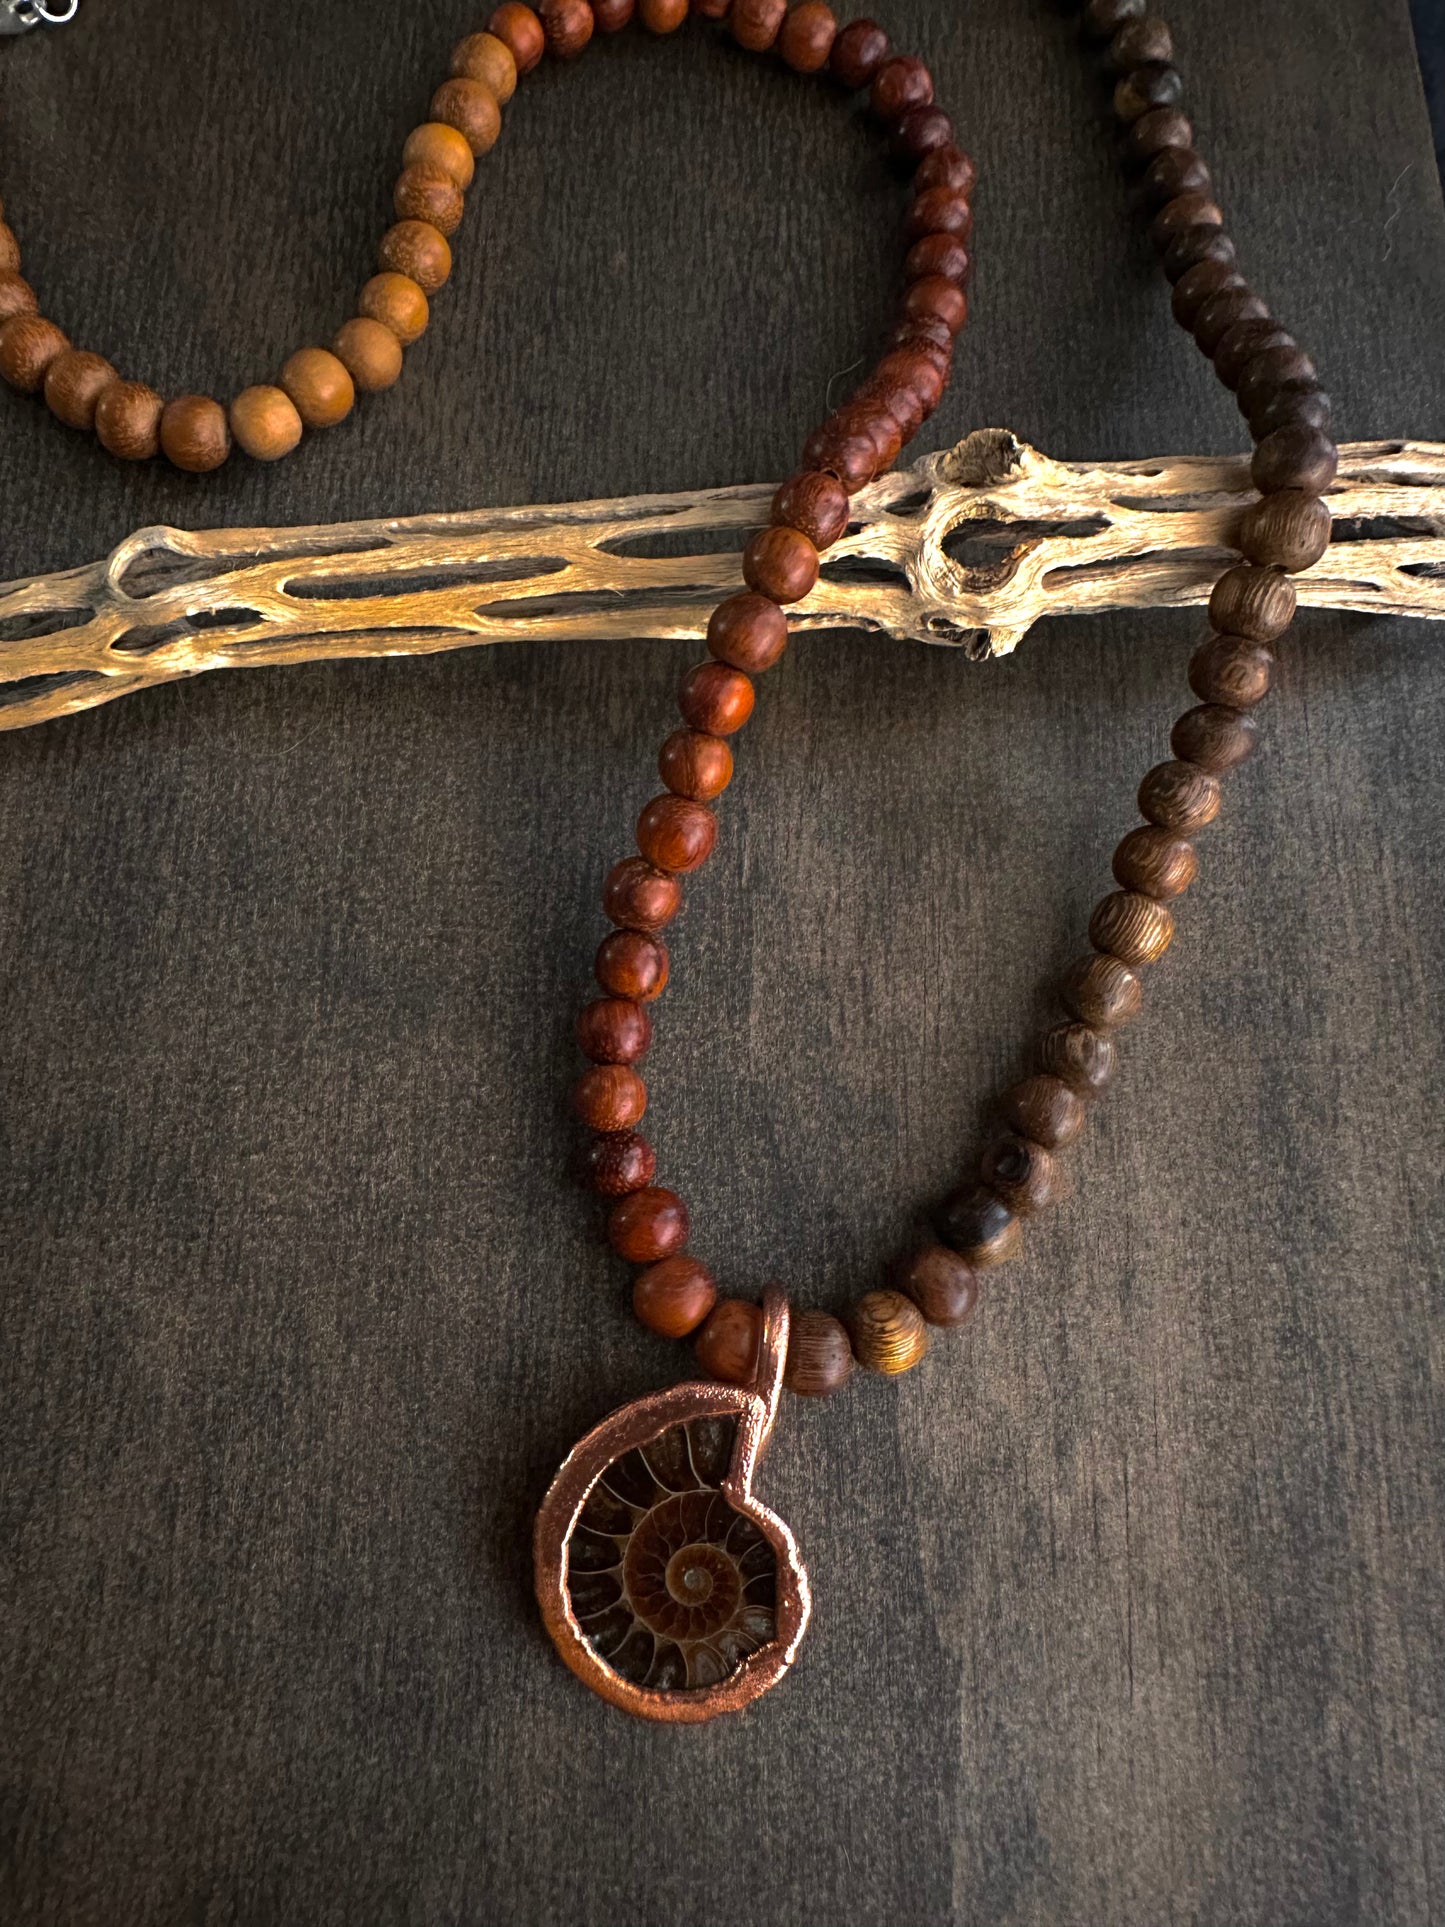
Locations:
(689, 1577)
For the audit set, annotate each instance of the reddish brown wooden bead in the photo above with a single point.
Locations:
(442, 148)
(618, 1162)
(676, 834)
(632, 964)
(1200, 284)
(695, 765)
(815, 503)
(317, 382)
(1140, 43)
(820, 1356)
(1132, 927)
(567, 25)
(638, 896)
(471, 107)
(781, 563)
(74, 382)
(944, 1286)
(611, 16)
(1252, 602)
(806, 37)
(369, 352)
(1161, 127)
(673, 1297)
(519, 29)
(711, 9)
(911, 372)
(1175, 171)
(1231, 670)
(755, 23)
(727, 1345)
(265, 423)
(16, 295)
(647, 1225)
(1155, 862)
(609, 1097)
(937, 297)
(948, 167)
(1146, 90)
(1223, 311)
(1295, 457)
(398, 303)
(1240, 344)
(1177, 796)
(888, 1332)
(1289, 530)
(1213, 738)
(938, 210)
(128, 420)
(195, 435)
(485, 57)
(1021, 1172)
(858, 52)
(1079, 1056)
(941, 254)
(424, 193)
(920, 131)
(843, 447)
(1045, 1109)
(1103, 991)
(977, 1224)
(716, 699)
(900, 83)
(417, 250)
(613, 1030)
(749, 631)
(9, 250)
(1185, 210)
(28, 345)
(662, 16)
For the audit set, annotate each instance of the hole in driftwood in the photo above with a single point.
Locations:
(144, 641)
(1375, 528)
(910, 504)
(864, 569)
(150, 571)
(659, 545)
(424, 581)
(42, 622)
(586, 602)
(30, 689)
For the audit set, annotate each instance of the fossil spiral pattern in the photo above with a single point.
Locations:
(671, 1584)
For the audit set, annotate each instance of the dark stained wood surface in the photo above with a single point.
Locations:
(1130, 1600)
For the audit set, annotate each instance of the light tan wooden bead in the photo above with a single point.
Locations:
(417, 249)
(427, 193)
(889, 1333)
(74, 383)
(1131, 926)
(28, 345)
(434, 144)
(471, 107)
(265, 423)
(318, 384)
(369, 351)
(128, 420)
(194, 434)
(397, 303)
(481, 56)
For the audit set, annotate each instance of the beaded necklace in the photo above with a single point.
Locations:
(666, 1585)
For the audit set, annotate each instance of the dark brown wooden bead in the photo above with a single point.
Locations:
(1295, 457)
(417, 250)
(900, 83)
(941, 254)
(820, 1356)
(424, 193)
(662, 16)
(944, 1286)
(1141, 43)
(519, 29)
(1184, 211)
(1192, 245)
(265, 423)
(618, 1162)
(716, 699)
(814, 502)
(1273, 368)
(748, 630)
(16, 295)
(780, 563)
(1177, 796)
(1289, 530)
(1079, 1056)
(888, 1332)
(920, 131)
(858, 52)
(317, 382)
(369, 352)
(727, 1345)
(1102, 19)
(1252, 602)
(647, 1225)
(1231, 670)
(1132, 927)
(1044, 1108)
(806, 37)
(1242, 342)
(676, 833)
(1103, 991)
(1213, 738)
(631, 964)
(28, 345)
(567, 25)
(1221, 312)
(398, 303)
(1193, 289)
(673, 1297)
(695, 765)
(979, 1226)
(611, 16)
(1023, 1173)
(1305, 403)
(755, 23)
(485, 57)
(609, 1097)
(613, 1030)
(948, 167)
(1161, 127)
(195, 435)
(1145, 90)
(74, 383)
(1156, 862)
(938, 210)
(128, 420)
(638, 896)
(1178, 170)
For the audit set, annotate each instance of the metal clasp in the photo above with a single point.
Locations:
(19, 16)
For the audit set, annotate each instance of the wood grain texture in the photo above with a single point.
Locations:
(1129, 1600)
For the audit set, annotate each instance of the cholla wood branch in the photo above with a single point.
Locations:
(969, 547)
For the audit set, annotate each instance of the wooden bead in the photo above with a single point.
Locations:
(1281, 365)
(485, 57)
(567, 25)
(1297, 457)
(1146, 89)
(938, 210)
(1102, 19)
(611, 16)
(814, 502)
(647, 1225)
(900, 83)
(1184, 211)
(727, 1345)
(695, 765)
(436, 145)
(935, 296)
(1102, 991)
(265, 423)
(888, 1332)
(471, 107)
(616, 1163)
(806, 37)
(749, 631)
(1175, 171)
(1305, 403)
(943, 1285)
(1223, 311)
(1128, 925)
(195, 435)
(781, 563)
(1213, 738)
(631, 964)
(716, 699)
(1239, 344)
(1204, 280)
(1161, 127)
(1289, 530)
(858, 52)
(9, 250)
(1177, 796)
(423, 192)
(919, 132)
(662, 16)
(369, 352)
(1155, 862)
(1079, 1056)
(1021, 1172)
(941, 254)
(613, 1030)
(979, 1226)
(636, 896)
(417, 250)
(820, 1355)
(673, 1297)
(16, 295)
(755, 23)
(74, 382)
(398, 303)
(844, 446)
(609, 1097)
(1193, 245)
(28, 345)
(1140, 43)
(1252, 602)
(711, 9)
(317, 382)
(1045, 1108)
(128, 420)
(676, 833)
(947, 167)
(1230, 670)
(520, 31)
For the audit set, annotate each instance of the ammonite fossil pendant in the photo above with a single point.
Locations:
(667, 1588)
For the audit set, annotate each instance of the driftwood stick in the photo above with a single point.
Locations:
(969, 547)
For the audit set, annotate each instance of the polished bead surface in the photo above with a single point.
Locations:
(754, 23)
(780, 563)
(976, 1223)
(265, 423)
(1223, 311)
(1045, 1108)
(615, 1163)
(662, 16)
(16, 295)
(727, 1344)
(920, 131)
(471, 107)
(676, 833)
(519, 29)
(806, 37)
(28, 345)
(1185, 210)
(901, 82)
(423, 192)
(1239, 344)
(1156, 862)
(398, 303)
(940, 253)
(888, 1332)
(436, 145)
(820, 1356)
(1147, 89)
(943, 1285)
(933, 295)
(1290, 530)
(9, 249)
(488, 58)
(1297, 457)
(195, 435)
(369, 352)
(417, 250)
(647, 1225)
(814, 502)
(674, 1296)
(1175, 171)
(1231, 670)
(696, 765)
(128, 420)
(613, 1030)
(611, 16)
(1079, 1056)
(1213, 737)
(1021, 1172)
(73, 385)
(938, 210)
(1131, 926)
(1200, 284)
(629, 963)
(567, 25)
(858, 52)
(1102, 990)
(948, 167)
(715, 698)
(318, 384)
(638, 896)
(748, 631)
(1177, 796)
(1255, 602)
(609, 1097)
